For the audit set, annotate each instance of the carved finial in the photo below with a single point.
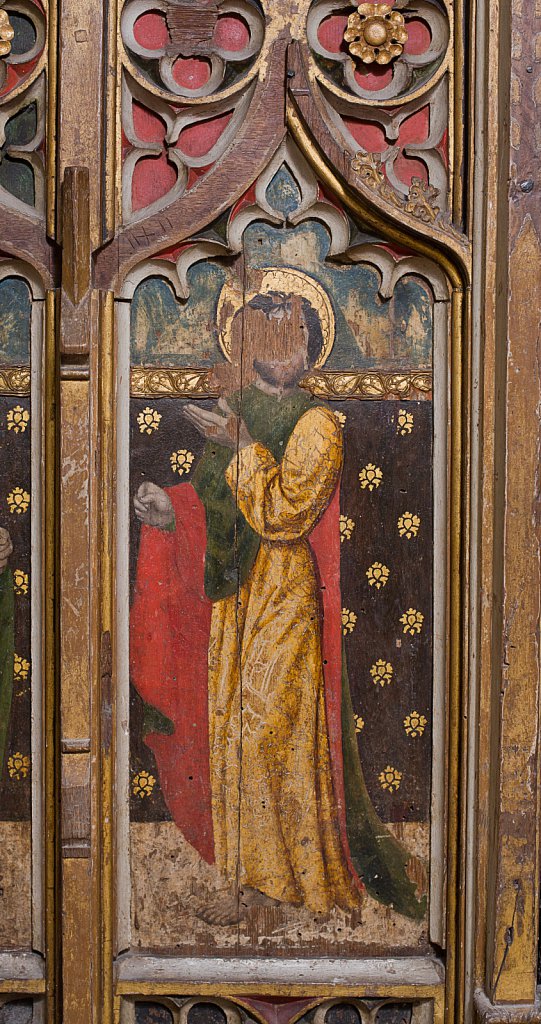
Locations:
(191, 25)
(6, 34)
(377, 33)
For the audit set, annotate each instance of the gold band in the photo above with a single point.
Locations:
(191, 383)
(15, 380)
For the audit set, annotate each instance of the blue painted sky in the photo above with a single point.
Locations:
(14, 322)
(370, 332)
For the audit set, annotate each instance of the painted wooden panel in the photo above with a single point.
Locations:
(282, 672)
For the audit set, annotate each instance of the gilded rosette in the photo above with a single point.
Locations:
(376, 33)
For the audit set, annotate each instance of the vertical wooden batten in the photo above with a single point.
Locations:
(508, 796)
(80, 98)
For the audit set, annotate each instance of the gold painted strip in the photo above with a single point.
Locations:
(456, 725)
(149, 382)
(21, 987)
(374, 385)
(51, 718)
(15, 380)
(320, 992)
(105, 663)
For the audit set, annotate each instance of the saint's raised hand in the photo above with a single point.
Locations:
(223, 427)
(153, 506)
(6, 548)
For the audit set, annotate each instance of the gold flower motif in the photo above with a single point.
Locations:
(382, 672)
(347, 527)
(20, 581)
(415, 724)
(405, 422)
(370, 476)
(408, 525)
(6, 34)
(422, 201)
(412, 621)
(18, 500)
(21, 667)
(341, 417)
(348, 621)
(376, 33)
(148, 420)
(359, 723)
(390, 778)
(378, 575)
(181, 461)
(17, 418)
(18, 766)
(143, 784)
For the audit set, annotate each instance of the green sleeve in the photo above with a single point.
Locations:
(7, 643)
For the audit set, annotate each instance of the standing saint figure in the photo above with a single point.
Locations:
(282, 809)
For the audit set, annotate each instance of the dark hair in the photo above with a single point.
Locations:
(272, 302)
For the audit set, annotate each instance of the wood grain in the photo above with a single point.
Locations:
(518, 576)
(258, 138)
(26, 240)
(74, 568)
(517, 884)
(80, 62)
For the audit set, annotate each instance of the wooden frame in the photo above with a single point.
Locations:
(493, 835)
(452, 255)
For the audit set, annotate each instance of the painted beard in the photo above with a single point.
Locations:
(280, 374)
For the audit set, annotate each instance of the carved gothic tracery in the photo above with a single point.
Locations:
(22, 107)
(181, 50)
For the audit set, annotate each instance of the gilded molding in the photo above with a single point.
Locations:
(15, 380)
(372, 385)
(147, 382)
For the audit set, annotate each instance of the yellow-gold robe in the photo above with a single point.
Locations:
(273, 807)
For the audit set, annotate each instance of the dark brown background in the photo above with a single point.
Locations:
(406, 463)
(15, 471)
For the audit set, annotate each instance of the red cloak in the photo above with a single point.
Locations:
(169, 637)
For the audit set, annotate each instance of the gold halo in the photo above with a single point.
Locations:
(278, 279)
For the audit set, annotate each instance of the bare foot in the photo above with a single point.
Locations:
(228, 909)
